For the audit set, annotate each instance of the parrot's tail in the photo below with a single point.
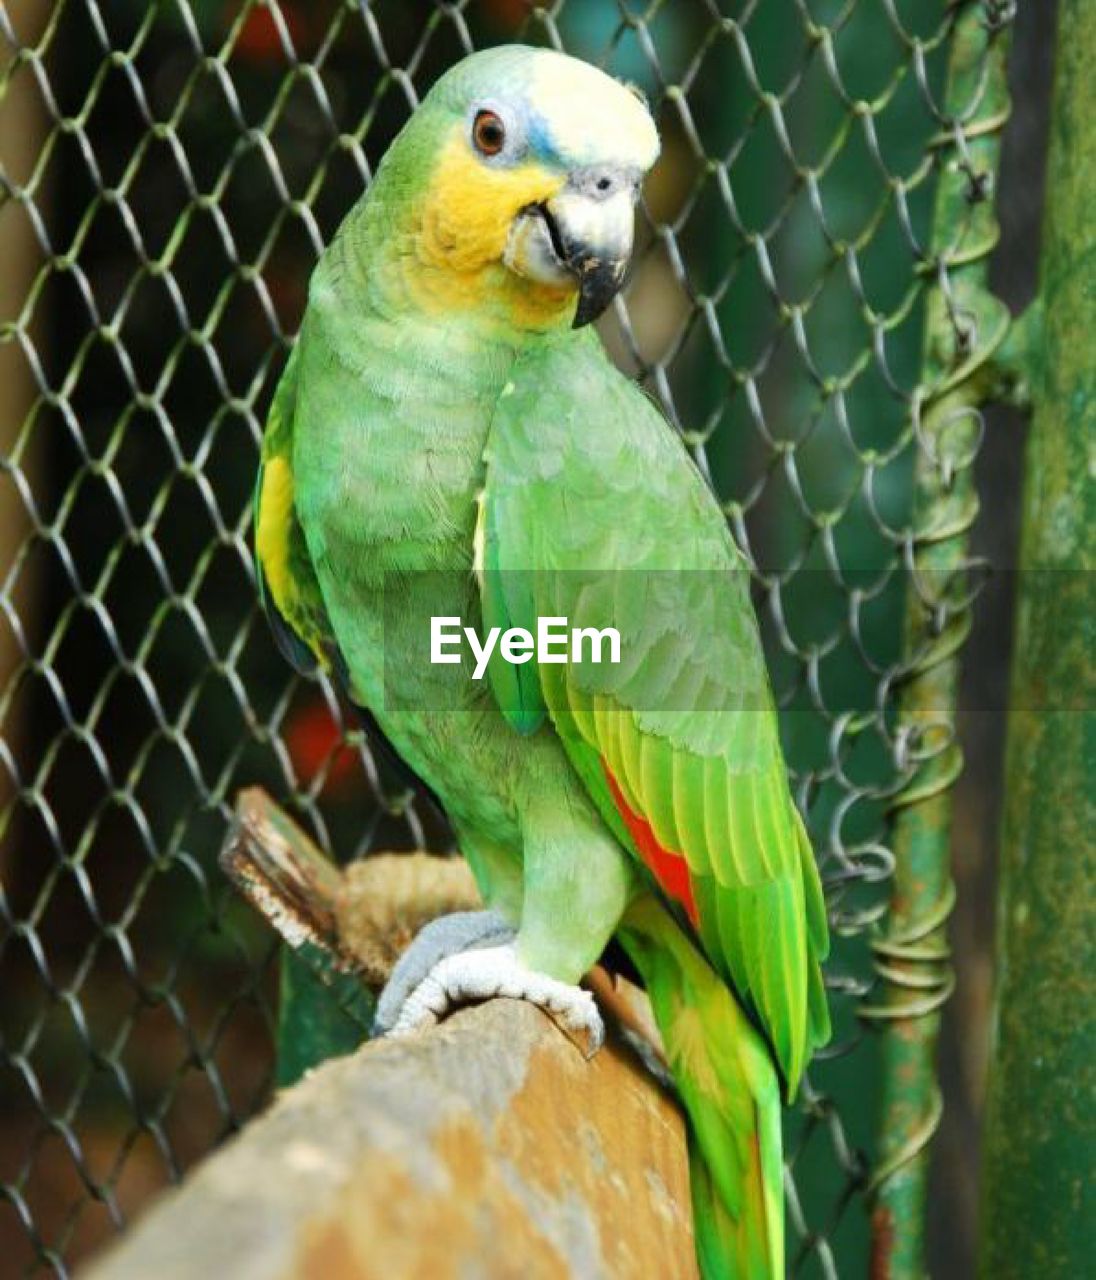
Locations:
(731, 1093)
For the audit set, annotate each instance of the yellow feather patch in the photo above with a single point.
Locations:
(272, 529)
(272, 534)
(469, 206)
(479, 541)
(687, 1050)
(466, 217)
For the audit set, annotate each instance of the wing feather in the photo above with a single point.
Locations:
(684, 727)
(687, 792)
(632, 757)
(288, 586)
(656, 791)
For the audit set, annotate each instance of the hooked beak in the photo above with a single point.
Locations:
(584, 234)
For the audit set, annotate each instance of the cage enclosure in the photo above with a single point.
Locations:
(808, 307)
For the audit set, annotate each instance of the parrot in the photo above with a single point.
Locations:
(450, 440)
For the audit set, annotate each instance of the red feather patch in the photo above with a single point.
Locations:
(669, 869)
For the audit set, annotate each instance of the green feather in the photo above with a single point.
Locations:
(657, 790)
(413, 390)
(690, 808)
(631, 754)
(506, 601)
(686, 723)
(288, 587)
(731, 1093)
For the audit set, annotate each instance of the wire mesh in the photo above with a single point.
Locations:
(170, 174)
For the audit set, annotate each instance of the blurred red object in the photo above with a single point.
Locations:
(508, 13)
(316, 747)
(260, 37)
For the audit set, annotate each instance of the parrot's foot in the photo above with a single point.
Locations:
(446, 936)
(497, 971)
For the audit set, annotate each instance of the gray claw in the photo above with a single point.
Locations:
(446, 936)
(482, 973)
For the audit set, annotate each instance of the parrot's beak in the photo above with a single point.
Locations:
(583, 234)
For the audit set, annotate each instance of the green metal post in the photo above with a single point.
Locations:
(1041, 1116)
(964, 330)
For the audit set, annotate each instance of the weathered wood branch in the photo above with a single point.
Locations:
(487, 1147)
(358, 919)
(363, 915)
(282, 873)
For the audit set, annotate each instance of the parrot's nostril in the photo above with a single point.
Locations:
(600, 182)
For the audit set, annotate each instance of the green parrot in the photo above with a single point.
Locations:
(449, 441)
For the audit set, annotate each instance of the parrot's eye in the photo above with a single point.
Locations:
(488, 133)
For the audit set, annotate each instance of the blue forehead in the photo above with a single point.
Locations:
(539, 140)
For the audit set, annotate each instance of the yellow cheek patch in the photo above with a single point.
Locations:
(538, 306)
(469, 207)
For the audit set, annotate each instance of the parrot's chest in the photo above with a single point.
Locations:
(391, 533)
(390, 450)
(389, 461)
(389, 467)
(399, 501)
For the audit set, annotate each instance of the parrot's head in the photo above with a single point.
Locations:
(523, 167)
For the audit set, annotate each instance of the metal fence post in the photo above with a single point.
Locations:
(1040, 1133)
(965, 328)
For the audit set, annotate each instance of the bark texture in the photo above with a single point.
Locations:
(486, 1148)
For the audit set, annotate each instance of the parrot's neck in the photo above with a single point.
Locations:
(391, 312)
(380, 316)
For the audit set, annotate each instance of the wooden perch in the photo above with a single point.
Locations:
(357, 919)
(362, 916)
(486, 1147)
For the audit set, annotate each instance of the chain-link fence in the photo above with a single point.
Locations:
(800, 307)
